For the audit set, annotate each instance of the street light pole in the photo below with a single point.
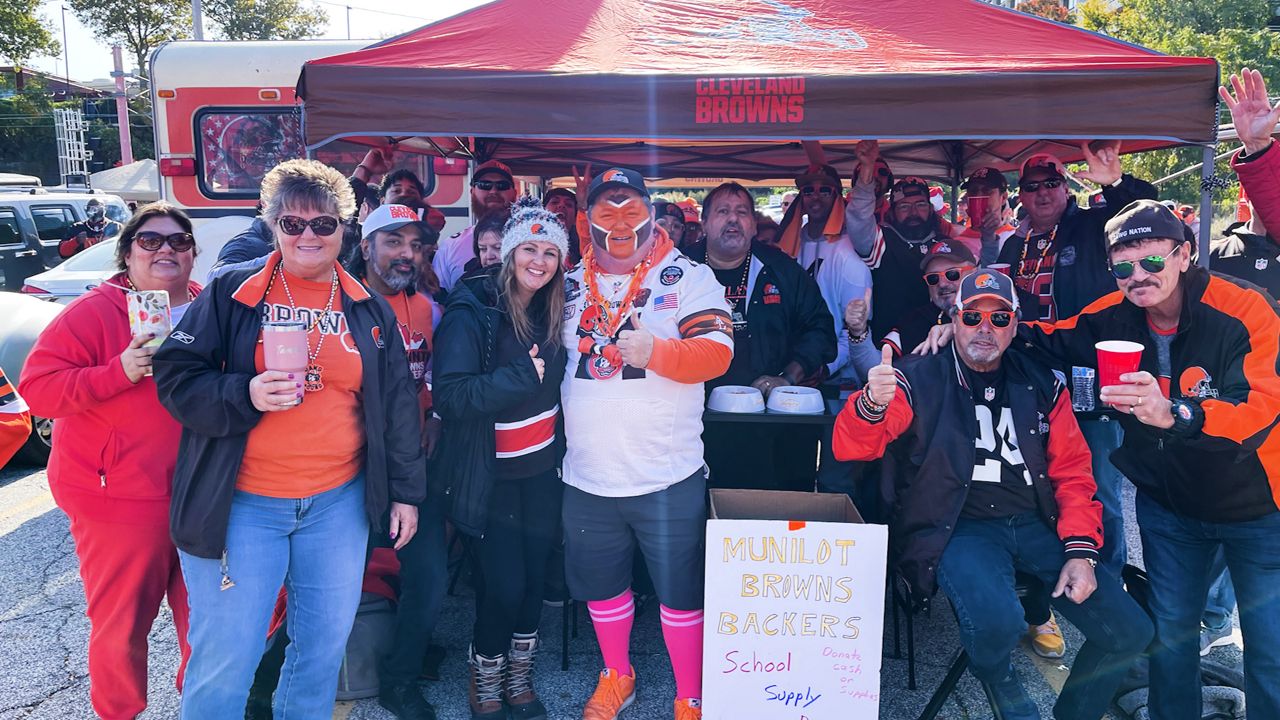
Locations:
(197, 20)
(66, 53)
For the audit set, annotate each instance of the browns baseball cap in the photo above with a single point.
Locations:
(948, 250)
(819, 174)
(909, 187)
(985, 179)
(492, 167)
(1048, 161)
(1144, 219)
(616, 177)
(986, 283)
(389, 217)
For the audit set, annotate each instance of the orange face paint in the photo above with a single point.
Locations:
(617, 227)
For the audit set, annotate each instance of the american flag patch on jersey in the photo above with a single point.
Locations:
(665, 302)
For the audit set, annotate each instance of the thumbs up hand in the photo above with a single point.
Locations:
(636, 345)
(538, 363)
(882, 383)
(855, 314)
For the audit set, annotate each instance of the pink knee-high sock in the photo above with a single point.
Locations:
(682, 630)
(612, 620)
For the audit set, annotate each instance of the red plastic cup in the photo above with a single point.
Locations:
(1115, 358)
(978, 206)
(1002, 268)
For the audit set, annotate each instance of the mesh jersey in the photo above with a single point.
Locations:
(631, 431)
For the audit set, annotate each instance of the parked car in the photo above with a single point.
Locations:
(88, 268)
(33, 221)
(24, 319)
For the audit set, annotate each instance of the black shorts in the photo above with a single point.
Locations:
(669, 526)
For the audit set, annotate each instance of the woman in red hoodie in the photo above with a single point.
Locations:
(114, 450)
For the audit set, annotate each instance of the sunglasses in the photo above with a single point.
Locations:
(997, 318)
(1151, 263)
(823, 190)
(153, 241)
(1035, 185)
(954, 275)
(322, 225)
(487, 185)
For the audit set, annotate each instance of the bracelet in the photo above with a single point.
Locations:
(871, 402)
(855, 339)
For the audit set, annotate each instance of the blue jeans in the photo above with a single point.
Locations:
(976, 572)
(1103, 437)
(315, 547)
(1179, 553)
(1222, 596)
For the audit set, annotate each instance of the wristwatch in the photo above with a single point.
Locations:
(1188, 416)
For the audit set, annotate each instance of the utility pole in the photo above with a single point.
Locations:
(122, 107)
(66, 57)
(197, 20)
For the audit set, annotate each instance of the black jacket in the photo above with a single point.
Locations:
(927, 439)
(1251, 257)
(1080, 273)
(787, 319)
(469, 393)
(254, 242)
(202, 374)
(1226, 466)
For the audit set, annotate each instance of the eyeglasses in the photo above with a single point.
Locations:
(997, 318)
(823, 190)
(322, 225)
(1035, 185)
(1152, 264)
(487, 185)
(153, 241)
(921, 206)
(953, 274)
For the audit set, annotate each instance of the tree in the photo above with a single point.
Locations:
(138, 25)
(23, 35)
(266, 19)
(1232, 31)
(1051, 9)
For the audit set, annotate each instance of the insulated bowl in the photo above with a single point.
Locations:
(736, 399)
(796, 400)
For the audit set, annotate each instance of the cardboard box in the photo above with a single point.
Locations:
(794, 608)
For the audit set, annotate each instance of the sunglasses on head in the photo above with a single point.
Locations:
(322, 225)
(487, 185)
(997, 318)
(953, 275)
(1035, 185)
(153, 241)
(1152, 264)
(823, 190)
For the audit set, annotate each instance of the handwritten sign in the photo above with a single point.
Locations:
(794, 620)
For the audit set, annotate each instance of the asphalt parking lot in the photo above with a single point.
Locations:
(43, 630)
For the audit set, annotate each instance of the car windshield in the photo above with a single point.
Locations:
(95, 258)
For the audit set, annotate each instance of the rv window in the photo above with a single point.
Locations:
(238, 147)
(52, 221)
(10, 233)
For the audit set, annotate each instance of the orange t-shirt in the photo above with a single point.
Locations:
(413, 315)
(318, 445)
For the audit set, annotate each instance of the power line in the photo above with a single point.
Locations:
(365, 9)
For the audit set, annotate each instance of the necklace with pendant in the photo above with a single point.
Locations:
(313, 376)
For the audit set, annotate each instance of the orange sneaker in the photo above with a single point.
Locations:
(614, 693)
(689, 709)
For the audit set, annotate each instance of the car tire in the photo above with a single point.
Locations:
(35, 451)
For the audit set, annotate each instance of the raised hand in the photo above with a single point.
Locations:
(376, 162)
(855, 314)
(636, 345)
(582, 182)
(1251, 111)
(1104, 165)
(882, 382)
(868, 152)
(538, 363)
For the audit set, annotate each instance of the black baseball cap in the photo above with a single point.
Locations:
(555, 192)
(909, 187)
(663, 207)
(986, 177)
(616, 177)
(987, 283)
(1143, 219)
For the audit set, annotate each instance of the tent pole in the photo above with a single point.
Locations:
(957, 177)
(1206, 203)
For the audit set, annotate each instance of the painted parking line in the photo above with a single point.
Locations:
(1054, 672)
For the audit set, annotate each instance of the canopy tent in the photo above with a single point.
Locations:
(728, 88)
(138, 181)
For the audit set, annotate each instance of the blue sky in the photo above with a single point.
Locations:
(91, 59)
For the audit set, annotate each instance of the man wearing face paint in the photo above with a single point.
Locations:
(645, 327)
(493, 189)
